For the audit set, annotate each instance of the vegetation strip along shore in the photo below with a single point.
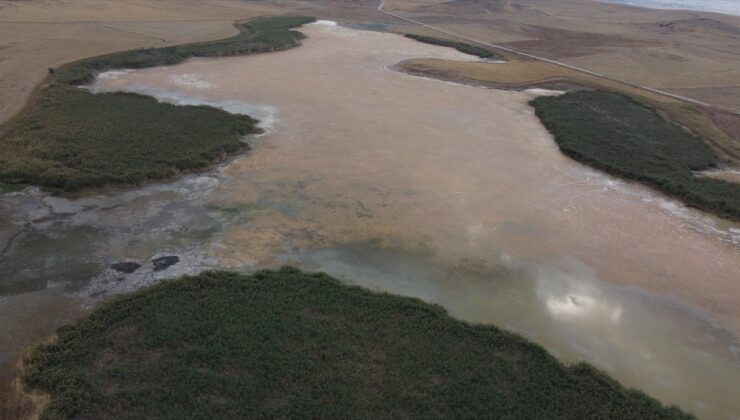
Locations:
(287, 343)
(460, 46)
(617, 134)
(69, 139)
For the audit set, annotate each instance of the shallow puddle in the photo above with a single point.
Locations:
(450, 193)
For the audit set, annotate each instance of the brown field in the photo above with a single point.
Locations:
(37, 35)
(689, 53)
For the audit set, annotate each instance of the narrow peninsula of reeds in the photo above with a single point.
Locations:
(68, 139)
(615, 133)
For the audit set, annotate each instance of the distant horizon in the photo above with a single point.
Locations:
(727, 7)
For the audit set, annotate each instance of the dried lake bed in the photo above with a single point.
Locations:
(450, 193)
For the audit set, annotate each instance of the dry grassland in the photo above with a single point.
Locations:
(37, 35)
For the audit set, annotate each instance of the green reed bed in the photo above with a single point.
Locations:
(460, 46)
(615, 133)
(70, 139)
(281, 344)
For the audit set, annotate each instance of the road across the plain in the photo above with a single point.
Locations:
(557, 63)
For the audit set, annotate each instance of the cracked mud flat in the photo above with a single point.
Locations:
(450, 193)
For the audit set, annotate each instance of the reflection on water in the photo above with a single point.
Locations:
(577, 306)
(449, 193)
(638, 337)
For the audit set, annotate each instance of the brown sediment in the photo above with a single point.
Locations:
(719, 128)
(20, 328)
(16, 400)
(38, 399)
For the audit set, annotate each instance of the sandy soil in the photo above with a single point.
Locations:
(21, 327)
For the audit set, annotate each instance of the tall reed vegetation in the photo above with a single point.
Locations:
(281, 344)
(615, 133)
(69, 139)
(460, 46)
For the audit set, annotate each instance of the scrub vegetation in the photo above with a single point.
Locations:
(617, 134)
(69, 139)
(255, 36)
(460, 46)
(285, 343)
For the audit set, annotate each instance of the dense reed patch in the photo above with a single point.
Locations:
(460, 46)
(285, 343)
(615, 133)
(69, 139)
